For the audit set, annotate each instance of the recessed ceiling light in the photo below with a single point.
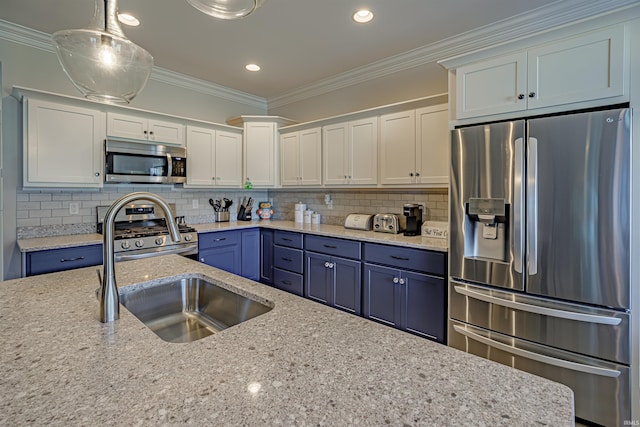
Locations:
(127, 19)
(363, 16)
(252, 67)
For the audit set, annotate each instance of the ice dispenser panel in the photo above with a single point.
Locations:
(486, 229)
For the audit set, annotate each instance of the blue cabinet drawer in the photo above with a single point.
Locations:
(218, 239)
(288, 259)
(287, 238)
(62, 259)
(287, 281)
(405, 258)
(332, 246)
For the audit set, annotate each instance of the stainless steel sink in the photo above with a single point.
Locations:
(186, 310)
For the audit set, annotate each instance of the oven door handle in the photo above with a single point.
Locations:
(580, 367)
(545, 311)
(182, 250)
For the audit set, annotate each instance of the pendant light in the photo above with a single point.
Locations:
(100, 61)
(226, 9)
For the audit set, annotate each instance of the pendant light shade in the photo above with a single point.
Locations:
(226, 9)
(100, 61)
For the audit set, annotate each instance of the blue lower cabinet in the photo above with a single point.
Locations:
(266, 256)
(250, 248)
(411, 301)
(227, 258)
(235, 251)
(49, 261)
(333, 281)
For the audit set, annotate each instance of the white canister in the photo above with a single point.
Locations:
(315, 218)
(299, 215)
(301, 207)
(307, 216)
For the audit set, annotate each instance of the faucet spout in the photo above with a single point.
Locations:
(108, 292)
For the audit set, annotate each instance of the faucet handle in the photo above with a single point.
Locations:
(100, 282)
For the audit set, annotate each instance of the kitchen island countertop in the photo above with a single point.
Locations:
(305, 363)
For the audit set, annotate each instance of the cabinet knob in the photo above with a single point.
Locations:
(326, 264)
(417, 173)
(201, 259)
(97, 173)
(532, 94)
(401, 281)
(410, 173)
(396, 280)
(521, 96)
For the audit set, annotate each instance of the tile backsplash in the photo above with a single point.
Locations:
(53, 212)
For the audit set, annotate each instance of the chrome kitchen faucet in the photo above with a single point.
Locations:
(108, 292)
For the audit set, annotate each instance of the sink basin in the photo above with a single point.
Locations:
(185, 310)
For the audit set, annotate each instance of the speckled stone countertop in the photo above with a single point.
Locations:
(58, 242)
(310, 364)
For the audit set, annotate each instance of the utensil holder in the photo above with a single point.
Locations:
(221, 216)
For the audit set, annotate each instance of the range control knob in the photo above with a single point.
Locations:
(188, 237)
(159, 241)
(125, 245)
(139, 243)
(377, 226)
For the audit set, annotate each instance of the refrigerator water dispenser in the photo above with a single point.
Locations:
(486, 229)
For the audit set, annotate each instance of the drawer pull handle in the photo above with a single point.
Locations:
(286, 259)
(286, 282)
(71, 259)
(400, 258)
(330, 246)
(220, 239)
(286, 239)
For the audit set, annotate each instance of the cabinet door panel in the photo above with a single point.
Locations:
(424, 312)
(433, 145)
(227, 258)
(266, 256)
(363, 154)
(336, 151)
(250, 246)
(347, 286)
(492, 86)
(311, 156)
(126, 126)
(289, 158)
(228, 159)
(200, 152)
(260, 161)
(577, 69)
(318, 278)
(397, 148)
(166, 132)
(381, 301)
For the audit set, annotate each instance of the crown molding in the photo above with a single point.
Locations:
(556, 15)
(40, 40)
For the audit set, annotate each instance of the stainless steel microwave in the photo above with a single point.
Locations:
(139, 162)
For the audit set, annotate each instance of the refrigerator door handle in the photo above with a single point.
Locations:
(532, 206)
(580, 367)
(518, 206)
(545, 311)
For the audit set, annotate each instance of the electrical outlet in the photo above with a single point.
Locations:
(74, 208)
(194, 203)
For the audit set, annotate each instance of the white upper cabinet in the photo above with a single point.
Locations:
(63, 145)
(301, 157)
(579, 69)
(214, 157)
(351, 152)
(260, 160)
(145, 128)
(414, 147)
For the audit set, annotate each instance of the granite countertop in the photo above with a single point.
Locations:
(419, 242)
(311, 364)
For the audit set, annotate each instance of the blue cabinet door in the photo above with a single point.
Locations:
(424, 305)
(250, 241)
(52, 260)
(318, 278)
(227, 258)
(347, 284)
(381, 301)
(266, 256)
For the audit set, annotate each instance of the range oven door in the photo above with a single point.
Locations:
(135, 162)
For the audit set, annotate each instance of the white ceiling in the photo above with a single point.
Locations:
(296, 42)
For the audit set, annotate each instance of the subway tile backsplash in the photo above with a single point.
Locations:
(49, 212)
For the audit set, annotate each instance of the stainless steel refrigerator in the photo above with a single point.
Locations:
(539, 252)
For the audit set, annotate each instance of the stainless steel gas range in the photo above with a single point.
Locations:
(141, 232)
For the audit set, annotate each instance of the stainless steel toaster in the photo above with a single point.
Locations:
(388, 223)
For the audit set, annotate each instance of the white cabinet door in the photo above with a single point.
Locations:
(166, 132)
(260, 153)
(433, 145)
(363, 152)
(145, 129)
(289, 159)
(200, 156)
(494, 86)
(228, 159)
(578, 69)
(311, 156)
(63, 145)
(397, 148)
(335, 146)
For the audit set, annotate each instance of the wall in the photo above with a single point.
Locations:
(347, 201)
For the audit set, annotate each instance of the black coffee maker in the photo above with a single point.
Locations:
(413, 213)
